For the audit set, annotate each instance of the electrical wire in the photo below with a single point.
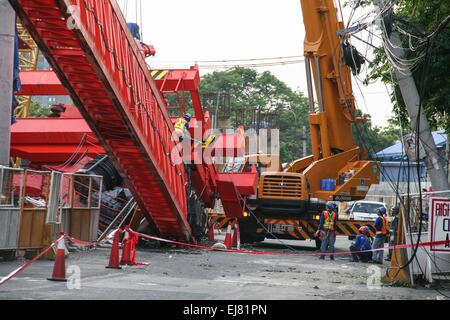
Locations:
(235, 60)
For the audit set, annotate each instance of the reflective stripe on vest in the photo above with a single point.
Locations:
(328, 220)
(180, 124)
(383, 226)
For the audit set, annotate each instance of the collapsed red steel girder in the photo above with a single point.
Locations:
(98, 63)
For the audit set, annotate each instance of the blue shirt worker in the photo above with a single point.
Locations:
(361, 247)
(381, 228)
(326, 230)
(393, 231)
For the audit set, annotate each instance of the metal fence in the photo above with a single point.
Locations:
(36, 205)
(11, 185)
(416, 213)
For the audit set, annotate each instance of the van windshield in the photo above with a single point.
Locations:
(366, 207)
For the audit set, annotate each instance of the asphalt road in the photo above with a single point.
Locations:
(180, 273)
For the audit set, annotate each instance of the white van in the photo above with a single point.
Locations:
(365, 210)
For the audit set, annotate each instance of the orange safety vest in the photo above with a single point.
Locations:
(383, 227)
(328, 220)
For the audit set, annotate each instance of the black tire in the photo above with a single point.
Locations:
(197, 217)
(247, 229)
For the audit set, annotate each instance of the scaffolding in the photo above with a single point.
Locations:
(28, 61)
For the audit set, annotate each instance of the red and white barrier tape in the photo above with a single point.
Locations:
(85, 243)
(400, 246)
(28, 263)
(80, 242)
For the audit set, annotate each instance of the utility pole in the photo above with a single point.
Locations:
(412, 101)
(7, 34)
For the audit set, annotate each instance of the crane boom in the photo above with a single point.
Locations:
(336, 156)
(330, 123)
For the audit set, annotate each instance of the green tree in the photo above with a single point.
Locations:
(38, 110)
(375, 138)
(422, 17)
(249, 89)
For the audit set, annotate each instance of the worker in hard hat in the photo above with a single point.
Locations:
(326, 230)
(393, 230)
(182, 126)
(381, 228)
(361, 247)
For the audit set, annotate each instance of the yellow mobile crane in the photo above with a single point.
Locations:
(289, 201)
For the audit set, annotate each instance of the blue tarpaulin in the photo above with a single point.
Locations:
(135, 30)
(395, 152)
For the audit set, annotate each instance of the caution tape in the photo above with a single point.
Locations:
(137, 234)
(80, 242)
(28, 263)
(400, 246)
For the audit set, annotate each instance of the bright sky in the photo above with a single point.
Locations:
(198, 30)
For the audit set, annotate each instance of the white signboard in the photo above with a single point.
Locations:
(440, 223)
(409, 144)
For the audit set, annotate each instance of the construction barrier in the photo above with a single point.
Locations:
(30, 262)
(302, 230)
(114, 262)
(401, 246)
(59, 274)
(59, 269)
(219, 221)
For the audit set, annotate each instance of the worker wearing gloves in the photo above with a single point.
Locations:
(182, 125)
(381, 227)
(393, 231)
(361, 247)
(327, 227)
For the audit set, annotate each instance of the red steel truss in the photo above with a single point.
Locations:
(89, 46)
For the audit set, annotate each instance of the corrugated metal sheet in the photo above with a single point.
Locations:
(9, 228)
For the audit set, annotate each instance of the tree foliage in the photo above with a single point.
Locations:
(422, 16)
(375, 138)
(249, 89)
(37, 110)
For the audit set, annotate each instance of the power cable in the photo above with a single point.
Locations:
(235, 60)
(423, 77)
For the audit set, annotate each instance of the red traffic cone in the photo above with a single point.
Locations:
(126, 248)
(211, 231)
(228, 238)
(59, 269)
(236, 236)
(133, 244)
(114, 257)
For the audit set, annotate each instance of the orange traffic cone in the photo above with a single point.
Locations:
(126, 248)
(114, 257)
(59, 269)
(236, 236)
(211, 231)
(228, 238)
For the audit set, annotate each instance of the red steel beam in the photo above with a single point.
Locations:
(97, 60)
(182, 80)
(41, 83)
